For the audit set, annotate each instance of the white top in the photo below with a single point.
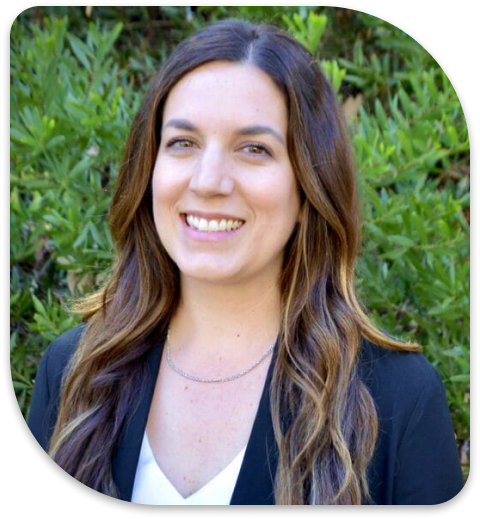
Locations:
(152, 487)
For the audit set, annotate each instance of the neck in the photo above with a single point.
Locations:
(237, 321)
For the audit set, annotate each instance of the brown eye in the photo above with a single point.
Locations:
(257, 149)
(179, 143)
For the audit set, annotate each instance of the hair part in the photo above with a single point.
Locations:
(324, 418)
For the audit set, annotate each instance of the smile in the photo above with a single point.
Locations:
(204, 225)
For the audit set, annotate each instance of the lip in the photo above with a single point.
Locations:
(212, 237)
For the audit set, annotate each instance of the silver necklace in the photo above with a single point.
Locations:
(210, 380)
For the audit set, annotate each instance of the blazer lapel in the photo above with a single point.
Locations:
(255, 483)
(125, 458)
(256, 478)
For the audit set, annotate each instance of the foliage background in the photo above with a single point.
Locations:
(77, 78)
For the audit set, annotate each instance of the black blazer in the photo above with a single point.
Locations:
(415, 461)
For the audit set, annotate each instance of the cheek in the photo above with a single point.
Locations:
(158, 190)
(279, 212)
(282, 197)
(165, 187)
(163, 200)
(164, 197)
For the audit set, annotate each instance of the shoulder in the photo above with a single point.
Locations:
(59, 353)
(397, 378)
(376, 361)
(47, 389)
(416, 459)
(56, 359)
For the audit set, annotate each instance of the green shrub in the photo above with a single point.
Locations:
(71, 108)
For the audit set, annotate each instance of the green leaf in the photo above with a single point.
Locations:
(404, 241)
(39, 307)
(443, 308)
(452, 136)
(14, 336)
(97, 238)
(460, 378)
(81, 51)
(393, 254)
(55, 141)
(20, 385)
(406, 143)
(457, 351)
(81, 237)
(316, 27)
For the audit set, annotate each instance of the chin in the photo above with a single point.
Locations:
(209, 273)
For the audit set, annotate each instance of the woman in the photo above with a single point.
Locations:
(227, 360)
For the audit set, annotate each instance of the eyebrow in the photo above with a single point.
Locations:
(184, 124)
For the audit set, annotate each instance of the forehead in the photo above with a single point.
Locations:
(232, 93)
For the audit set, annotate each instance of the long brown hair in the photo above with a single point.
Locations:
(324, 418)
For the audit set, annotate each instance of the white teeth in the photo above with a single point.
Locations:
(213, 225)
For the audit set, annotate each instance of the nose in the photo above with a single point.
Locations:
(211, 175)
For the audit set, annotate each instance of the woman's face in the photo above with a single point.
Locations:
(225, 198)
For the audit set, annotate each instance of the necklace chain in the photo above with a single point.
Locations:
(221, 379)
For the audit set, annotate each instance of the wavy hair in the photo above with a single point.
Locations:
(324, 418)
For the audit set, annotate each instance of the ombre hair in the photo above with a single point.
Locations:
(324, 418)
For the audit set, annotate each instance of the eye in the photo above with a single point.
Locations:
(179, 141)
(257, 150)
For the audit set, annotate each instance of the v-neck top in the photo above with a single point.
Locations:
(152, 487)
